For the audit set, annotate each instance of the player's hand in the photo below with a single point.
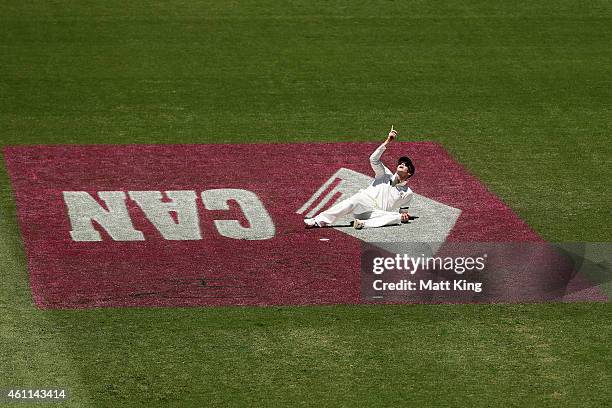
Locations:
(392, 134)
(405, 217)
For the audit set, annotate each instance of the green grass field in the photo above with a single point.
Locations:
(519, 92)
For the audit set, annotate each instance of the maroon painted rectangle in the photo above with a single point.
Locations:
(294, 267)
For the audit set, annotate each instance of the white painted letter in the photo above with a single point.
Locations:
(261, 225)
(83, 209)
(187, 226)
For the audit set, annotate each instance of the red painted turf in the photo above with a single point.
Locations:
(294, 267)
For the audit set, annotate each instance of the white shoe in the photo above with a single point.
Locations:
(310, 223)
(358, 224)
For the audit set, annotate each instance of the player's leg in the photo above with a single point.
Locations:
(380, 218)
(355, 203)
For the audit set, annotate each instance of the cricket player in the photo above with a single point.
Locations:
(379, 204)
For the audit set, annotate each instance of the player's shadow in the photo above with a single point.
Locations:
(350, 224)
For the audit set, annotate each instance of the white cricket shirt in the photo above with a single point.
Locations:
(384, 195)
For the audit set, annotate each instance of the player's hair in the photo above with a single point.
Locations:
(406, 160)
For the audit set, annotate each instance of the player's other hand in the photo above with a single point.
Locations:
(405, 217)
(392, 134)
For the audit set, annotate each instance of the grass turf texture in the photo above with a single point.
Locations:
(519, 92)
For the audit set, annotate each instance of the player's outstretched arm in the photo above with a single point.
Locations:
(392, 135)
(377, 165)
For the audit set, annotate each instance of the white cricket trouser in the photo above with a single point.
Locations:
(362, 207)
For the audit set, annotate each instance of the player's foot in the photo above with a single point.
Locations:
(358, 224)
(310, 223)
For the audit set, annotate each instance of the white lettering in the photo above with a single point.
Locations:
(261, 225)
(187, 225)
(83, 210)
(176, 219)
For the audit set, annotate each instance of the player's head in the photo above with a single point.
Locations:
(405, 168)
